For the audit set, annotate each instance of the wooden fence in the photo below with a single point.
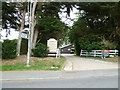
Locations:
(98, 53)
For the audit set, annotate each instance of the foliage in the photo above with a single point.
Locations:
(49, 23)
(40, 50)
(107, 44)
(24, 46)
(90, 43)
(79, 30)
(51, 26)
(103, 19)
(77, 47)
(8, 15)
(9, 49)
(96, 19)
(0, 50)
(99, 17)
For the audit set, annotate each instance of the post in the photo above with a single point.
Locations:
(29, 35)
(115, 53)
(81, 53)
(59, 53)
(94, 53)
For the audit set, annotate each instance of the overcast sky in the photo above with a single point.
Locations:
(14, 34)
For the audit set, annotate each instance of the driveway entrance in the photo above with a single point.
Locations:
(76, 63)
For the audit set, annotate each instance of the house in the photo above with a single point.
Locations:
(67, 49)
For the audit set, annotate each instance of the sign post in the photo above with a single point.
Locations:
(29, 35)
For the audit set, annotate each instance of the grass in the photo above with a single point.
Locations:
(37, 65)
(110, 59)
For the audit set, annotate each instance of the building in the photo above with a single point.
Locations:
(67, 49)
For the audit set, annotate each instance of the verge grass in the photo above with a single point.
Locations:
(53, 64)
(109, 59)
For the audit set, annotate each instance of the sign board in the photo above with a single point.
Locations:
(107, 51)
(24, 35)
(52, 45)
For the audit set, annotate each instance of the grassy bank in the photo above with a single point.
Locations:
(109, 59)
(49, 63)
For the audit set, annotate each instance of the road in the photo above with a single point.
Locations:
(94, 82)
(77, 79)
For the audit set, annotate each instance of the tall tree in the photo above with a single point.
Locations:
(99, 17)
(22, 9)
(33, 22)
(9, 18)
(49, 23)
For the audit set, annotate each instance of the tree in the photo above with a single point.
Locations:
(8, 16)
(33, 22)
(13, 16)
(48, 23)
(22, 9)
(79, 30)
(100, 20)
(19, 11)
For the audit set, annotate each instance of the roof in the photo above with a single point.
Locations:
(66, 46)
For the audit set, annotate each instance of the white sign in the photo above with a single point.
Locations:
(52, 45)
(24, 35)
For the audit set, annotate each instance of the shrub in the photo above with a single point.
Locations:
(90, 43)
(77, 47)
(9, 50)
(40, 50)
(0, 50)
(24, 47)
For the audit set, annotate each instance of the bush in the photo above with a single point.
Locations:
(24, 47)
(40, 50)
(9, 50)
(90, 43)
(0, 50)
(77, 47)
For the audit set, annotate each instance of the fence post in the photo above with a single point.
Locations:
(115, 52)
(81, 52)
(94, 53)
(59, 53)
(86, 53)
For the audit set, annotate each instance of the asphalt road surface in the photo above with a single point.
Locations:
(92, 82)
(97, 79)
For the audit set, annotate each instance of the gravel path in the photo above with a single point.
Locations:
(78, 63)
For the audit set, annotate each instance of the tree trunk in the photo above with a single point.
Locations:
(35, 37)
(33, 23)
(118, 34)
(20, 32)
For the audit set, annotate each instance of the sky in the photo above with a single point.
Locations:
(14, 34)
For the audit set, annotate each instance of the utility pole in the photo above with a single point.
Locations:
(29, 34)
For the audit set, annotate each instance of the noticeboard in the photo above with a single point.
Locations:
(52, 45)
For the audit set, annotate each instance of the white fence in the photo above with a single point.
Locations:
(98, 53)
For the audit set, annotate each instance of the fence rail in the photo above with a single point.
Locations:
(98, 53)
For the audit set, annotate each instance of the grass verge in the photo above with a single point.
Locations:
(53, 64)
(110, 59)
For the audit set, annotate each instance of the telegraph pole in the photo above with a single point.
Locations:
(29, 34)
